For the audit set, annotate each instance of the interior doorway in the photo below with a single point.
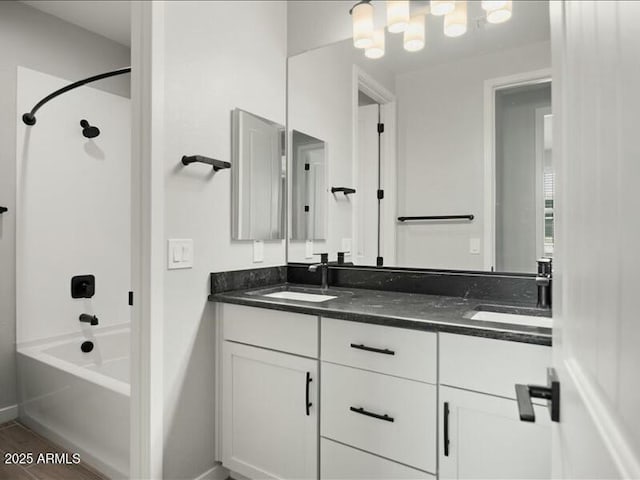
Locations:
(374, 120)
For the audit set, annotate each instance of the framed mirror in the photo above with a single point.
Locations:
(309, 187)
(448, 146)
(258, 176)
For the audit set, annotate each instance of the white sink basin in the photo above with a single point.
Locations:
(514, 319)
(303, 297)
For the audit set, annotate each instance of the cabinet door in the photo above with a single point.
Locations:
(268, 429)
(486, 438)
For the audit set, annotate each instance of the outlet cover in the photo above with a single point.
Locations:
(474, 246)
(308, 249)
(258, 251)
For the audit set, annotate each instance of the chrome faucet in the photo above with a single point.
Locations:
(543, 282)
(324, 269)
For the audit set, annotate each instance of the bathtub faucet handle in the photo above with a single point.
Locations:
(86, 318)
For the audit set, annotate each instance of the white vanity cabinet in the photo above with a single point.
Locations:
(379, 401)
(269, 398)
(304, 397)
(481, 435)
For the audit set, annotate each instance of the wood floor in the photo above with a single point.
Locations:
(16, 439)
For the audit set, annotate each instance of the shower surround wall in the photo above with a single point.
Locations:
(74, 218)
(43, 42)
(74, 209)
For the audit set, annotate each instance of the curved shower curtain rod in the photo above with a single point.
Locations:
(30, 118)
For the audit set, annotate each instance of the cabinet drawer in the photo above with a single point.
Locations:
(340, 462)
(391, 350)
(389, 416)
(284, 331)
(491, 366)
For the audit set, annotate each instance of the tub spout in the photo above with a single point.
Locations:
(86, 318)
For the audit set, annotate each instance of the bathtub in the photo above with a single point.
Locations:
(80, 400)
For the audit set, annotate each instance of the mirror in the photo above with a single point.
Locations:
(463, 160)
(308, 199)
(258, 177)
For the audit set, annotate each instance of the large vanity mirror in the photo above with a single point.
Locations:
(258, 171)
(448, 148)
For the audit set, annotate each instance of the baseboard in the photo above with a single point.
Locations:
(9, 413)
(216, 473)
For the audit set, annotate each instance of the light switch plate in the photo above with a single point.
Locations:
(474, 246)
(308, 249)
(180, 253)
(258, 251)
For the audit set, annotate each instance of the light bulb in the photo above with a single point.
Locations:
(442, 7)
(455, 23)
(501, 13)
(362, 14)
(414, 34)
(492, 4)
(397, 15)
(377, 49)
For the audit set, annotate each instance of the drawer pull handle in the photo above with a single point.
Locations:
(307, 403)
(446, 429)
(384, 351)
(362, 411)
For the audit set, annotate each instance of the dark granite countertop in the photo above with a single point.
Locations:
(404, 310)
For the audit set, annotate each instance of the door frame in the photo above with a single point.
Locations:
(362, 81)
(147, 239)
(492, 85)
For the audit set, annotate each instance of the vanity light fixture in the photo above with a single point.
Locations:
(442, 7)
(377, 49)
(399, 19)
(492, 4)
(397, 15)
(362, 17)
(414, 34)
(500, 13)
(455, 23)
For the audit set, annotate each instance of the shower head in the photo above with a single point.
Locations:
(88, 130)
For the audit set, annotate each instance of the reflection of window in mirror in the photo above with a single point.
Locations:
(524, 176)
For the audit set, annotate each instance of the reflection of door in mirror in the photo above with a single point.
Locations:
(309, 190)
(368, 175)
(523, 177)
(258, 199)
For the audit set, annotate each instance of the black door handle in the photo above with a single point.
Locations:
(551, 393)
(446, 429)
(384, 351)
(307, 403)
(525, 407)
(362, 411)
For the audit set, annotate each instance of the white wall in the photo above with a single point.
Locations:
(596, 46)
(217, 56)
(441, 153)
(73, 207)
(36, 40)
(321, 105)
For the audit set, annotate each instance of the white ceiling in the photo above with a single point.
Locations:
(111, 18)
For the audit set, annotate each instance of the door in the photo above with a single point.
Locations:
(595, 51)
(270, 424)
(486, 438)
(368, 175)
